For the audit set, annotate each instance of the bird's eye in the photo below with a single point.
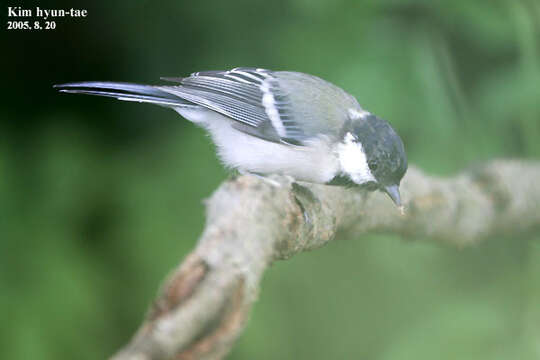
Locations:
(372, 165)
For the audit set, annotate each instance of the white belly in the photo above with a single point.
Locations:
(316, 163)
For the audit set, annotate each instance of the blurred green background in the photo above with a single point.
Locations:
(99, 199)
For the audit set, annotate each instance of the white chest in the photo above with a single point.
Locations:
(316, 163)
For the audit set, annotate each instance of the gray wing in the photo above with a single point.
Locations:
(277, 106)
(250, 96)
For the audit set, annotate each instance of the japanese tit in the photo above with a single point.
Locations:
(278, 122)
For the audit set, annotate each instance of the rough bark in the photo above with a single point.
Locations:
(203, 306)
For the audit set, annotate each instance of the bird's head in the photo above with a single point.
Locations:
(371, 154)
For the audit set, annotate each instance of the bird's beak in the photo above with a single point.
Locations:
(393, 192)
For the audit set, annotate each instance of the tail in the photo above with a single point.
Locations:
(124, 91)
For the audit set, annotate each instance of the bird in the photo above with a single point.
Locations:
(268, 122)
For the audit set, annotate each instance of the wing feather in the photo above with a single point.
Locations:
(250, 96)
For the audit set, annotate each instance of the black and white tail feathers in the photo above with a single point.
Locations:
(124, 91)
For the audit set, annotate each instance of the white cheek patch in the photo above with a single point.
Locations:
(353, 160)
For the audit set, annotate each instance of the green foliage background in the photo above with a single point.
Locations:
(99, 199)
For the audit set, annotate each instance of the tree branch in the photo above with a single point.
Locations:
(203, 306)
